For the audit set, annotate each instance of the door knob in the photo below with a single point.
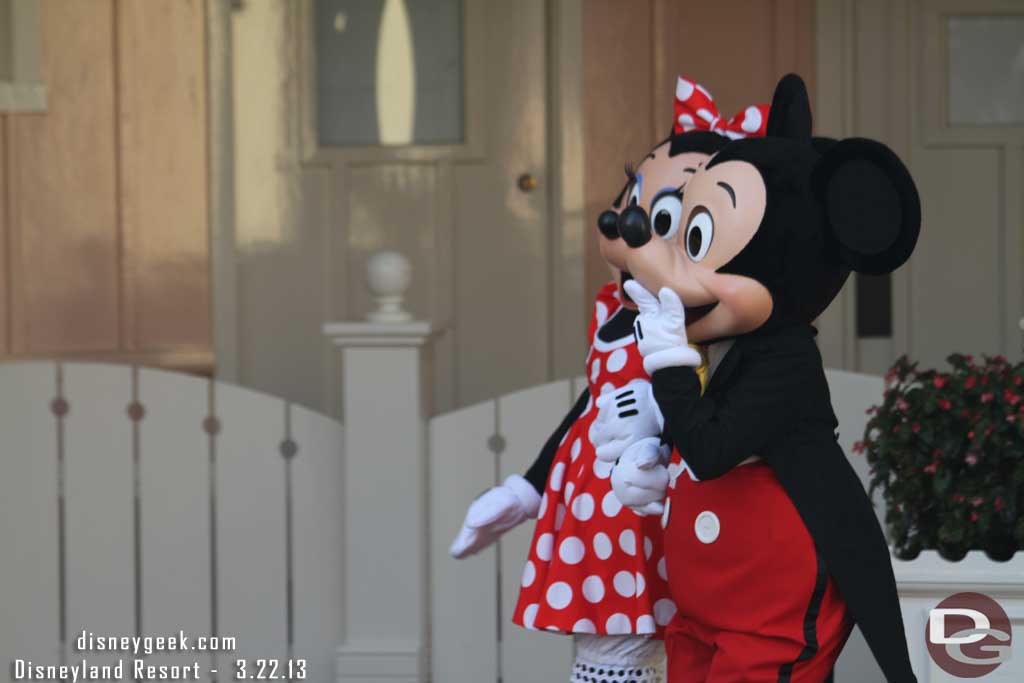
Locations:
(526, 182)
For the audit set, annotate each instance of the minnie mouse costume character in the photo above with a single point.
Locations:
(594, 569)
(771, 541)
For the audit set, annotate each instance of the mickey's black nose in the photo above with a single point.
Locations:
(635, 226)
(608, 224)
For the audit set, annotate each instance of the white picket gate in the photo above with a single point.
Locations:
(137, 501)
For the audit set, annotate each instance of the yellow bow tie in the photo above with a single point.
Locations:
(702, 371)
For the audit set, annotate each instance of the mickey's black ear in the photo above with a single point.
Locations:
(790, 115)
(872, 209)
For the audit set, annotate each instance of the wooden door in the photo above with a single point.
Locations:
(103, 204)
(935, 80)
(633, 51)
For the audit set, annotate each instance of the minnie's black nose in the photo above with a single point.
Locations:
(635, 226)
(608, 224)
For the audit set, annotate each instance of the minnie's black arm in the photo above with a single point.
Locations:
(538, 472)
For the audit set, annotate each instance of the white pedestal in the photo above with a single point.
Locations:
(384, 489)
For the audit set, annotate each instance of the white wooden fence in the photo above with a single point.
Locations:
(137, 501)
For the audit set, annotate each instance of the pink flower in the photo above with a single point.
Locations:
(974, 516)
(940, 381)
(915, 427)
(999, 504)
(976, 502)
(1011, 418)
(1010, 397)
(970, 382)
(858, 446)
(872, 410)
(901, 405)
(944, 404)
(932, 468)
(987, 396)
(971, 459)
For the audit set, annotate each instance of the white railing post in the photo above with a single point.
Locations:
(384, 487)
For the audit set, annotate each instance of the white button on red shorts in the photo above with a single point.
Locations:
(707, 527)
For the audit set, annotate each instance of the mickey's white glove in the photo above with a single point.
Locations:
(660, 329)
(640, 478)
(624, 416)
(493, 513)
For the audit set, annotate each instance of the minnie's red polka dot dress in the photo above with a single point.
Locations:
(594, 566)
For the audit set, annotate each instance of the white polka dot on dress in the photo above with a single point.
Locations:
(625, 584)
(627, 541)
(641, 583)
(617, 360)
(602, 545)
(559, 516)
(645, 624)
(587, 626)
(530, 616)
(595, 369)
(545, 544)
(610, 504)
(662, 569)
(529, 574)
(557, 474)
(618, 624)
(606, 387)
(590, 404)
(602, 469)
(543, 505)
(593, 589)
(648, 547)
(583, 507)
(571, 550)
(574, 450)
(569, 488)
(664, 610)
(705, 114)
(601, 313)
(559, 595)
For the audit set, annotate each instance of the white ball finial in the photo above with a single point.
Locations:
(388, 274)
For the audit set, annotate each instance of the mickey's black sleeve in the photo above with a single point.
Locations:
(538, 472)
(716, 433)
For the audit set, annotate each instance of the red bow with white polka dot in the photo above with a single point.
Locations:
(696, 110)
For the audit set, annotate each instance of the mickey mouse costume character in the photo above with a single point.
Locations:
(597, 570)
(767, 517)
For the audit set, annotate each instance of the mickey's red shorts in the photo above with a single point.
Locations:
(755, 602)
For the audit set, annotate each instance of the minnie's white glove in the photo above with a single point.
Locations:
(493, 513)
(624, 416)
(660, 329)
(640, 478)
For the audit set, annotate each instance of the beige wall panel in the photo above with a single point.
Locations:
(161, 73)
(5, 282)
(956, 266)
(501, 243)
(64, 210)
(618, 97)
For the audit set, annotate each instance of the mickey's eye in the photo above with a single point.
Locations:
(665, 215)
(699, 233)
(634, 195)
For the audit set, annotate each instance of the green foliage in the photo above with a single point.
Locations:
(946, 450)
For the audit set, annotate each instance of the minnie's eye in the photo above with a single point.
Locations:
(665, 215)
(634, 195)
(699, 233)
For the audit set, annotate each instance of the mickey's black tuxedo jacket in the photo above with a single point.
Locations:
(769, 397)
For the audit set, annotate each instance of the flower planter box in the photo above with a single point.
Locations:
(929, 579)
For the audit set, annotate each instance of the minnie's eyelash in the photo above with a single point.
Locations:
(630, 171)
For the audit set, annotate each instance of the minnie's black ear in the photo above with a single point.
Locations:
(790, 115)
(872, 209)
